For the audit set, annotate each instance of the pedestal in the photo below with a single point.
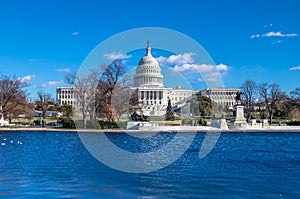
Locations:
(265, 123)
(238, 119)
(3, 122)
(238, 114)
(137, 125)
(219, 123)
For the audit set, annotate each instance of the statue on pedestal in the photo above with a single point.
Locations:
(238, 97)
(136, 117)
(238, 119)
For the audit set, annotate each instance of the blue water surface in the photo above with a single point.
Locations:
(241, 165)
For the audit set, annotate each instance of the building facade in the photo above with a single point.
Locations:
(224, 97)
(66, 96)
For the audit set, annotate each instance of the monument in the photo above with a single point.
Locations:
(2, 121)
(137, 121)
(238, 120)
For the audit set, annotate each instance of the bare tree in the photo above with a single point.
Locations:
(112, 81)
(110, 77)
(43, 102)
(294, 103)
(12, 96)
(29, 110)
(270, 95)
(121, 98)
(134, 102)
(284, 106)
(94, 90)
(249, 89)
(295, 94)
(112, 74)
(85, 90)
(19, 107)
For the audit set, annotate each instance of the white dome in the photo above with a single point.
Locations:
(148, 71)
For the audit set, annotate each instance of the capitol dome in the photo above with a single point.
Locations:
(148, 72)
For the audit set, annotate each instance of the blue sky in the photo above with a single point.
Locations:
(41, 40)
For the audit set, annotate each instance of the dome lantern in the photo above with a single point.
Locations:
(148, 49)
(148, 72)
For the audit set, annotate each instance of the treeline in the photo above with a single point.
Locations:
(14, 101)
(13, 98)
(104, 93)
(270, 101)
(108, 96)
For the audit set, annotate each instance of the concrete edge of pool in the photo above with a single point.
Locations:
(179, 129)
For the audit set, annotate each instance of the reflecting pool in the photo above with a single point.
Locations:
(241, 165)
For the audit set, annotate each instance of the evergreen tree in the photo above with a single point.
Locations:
(169, 112)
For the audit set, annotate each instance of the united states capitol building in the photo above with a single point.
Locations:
(153, 96)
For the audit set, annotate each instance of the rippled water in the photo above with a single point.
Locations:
(242, 165)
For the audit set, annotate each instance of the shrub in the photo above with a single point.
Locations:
(67, 123)
(102, 124)
(185, 121)
(202, 122)
(293, 123)
(90, 124)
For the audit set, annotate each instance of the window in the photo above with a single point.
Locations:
(142, 94)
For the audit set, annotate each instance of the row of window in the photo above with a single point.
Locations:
(147, 71)
(151, 102)
(66, 91)
(142, 62)
(151, 95)
(223, 97)
(225, 103)
(144, 80)
(222, 93)
(66, 96)
(68, 102)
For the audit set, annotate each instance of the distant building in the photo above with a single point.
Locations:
(224, 97)
(66, 96)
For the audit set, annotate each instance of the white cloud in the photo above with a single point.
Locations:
(184, 67)
(176, 59)
(184, 63)
(222, 67)
(295, 68)
(276, 42)
(200, 68)
(75, 33)
(63, 70)
(268, 25)
(274, 34)
(200, 80)
(279, 34)
(116, 55)
(51, 84)
(254, 36)
(26, 78)
(213, 78)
